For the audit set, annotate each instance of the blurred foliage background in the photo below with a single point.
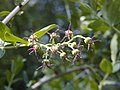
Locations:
(99, 18)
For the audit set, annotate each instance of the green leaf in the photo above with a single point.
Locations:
(8, 75)
(44, 30)
(14, 39)
(2, 52)
(69, 86)
(116, 67)
(3, 29)
(17, 65)
(93, 4)
(5, 35)
(111, 12)
(85, 8)
(4, 13)
(95, 75)
(17, 79)
(97, 4)
(114, 48)
(106, 66)
(99, 25)
(93, 85)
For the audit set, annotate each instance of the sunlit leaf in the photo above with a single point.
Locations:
(106, 66)
(3, 29)
(4, 13)
(114, 48)
(14, 39)
(44, 30)
(5, 35)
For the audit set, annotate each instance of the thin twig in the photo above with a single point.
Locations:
(117, 30)
(14, 11)
(102, 82)
(46, 79)
(12, 47)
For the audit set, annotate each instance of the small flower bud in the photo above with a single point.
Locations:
(53, 35)
(36, 46)
(73, 44)
(87, 39)
(68, 33)
(33, 39)
(62, 54)
(54, 48)
(46, 61)
(75, 51)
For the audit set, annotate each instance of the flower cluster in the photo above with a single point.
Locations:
(67, 50)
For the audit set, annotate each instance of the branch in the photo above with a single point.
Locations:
(14, 11)
(114, 28)
(12, 47)
(46, 79)
(102, 82)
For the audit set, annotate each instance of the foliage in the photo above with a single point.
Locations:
(85, 56)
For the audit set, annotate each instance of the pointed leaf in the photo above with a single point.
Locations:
(99, 25)
(8, 75)
(114, 48)
(44, 30)
(106, 66)
(3, 29)
(14, 39)
(5, 35)
(85, 8)
(17, 65)
(4, 13)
